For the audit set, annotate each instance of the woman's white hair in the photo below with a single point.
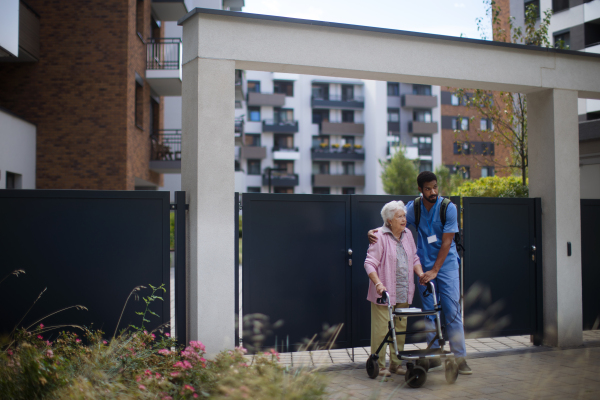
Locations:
(389, 210)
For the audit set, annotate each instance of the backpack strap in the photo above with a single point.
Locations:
(443, 208)
(417, 211)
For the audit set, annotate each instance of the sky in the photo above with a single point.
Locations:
(442, 17)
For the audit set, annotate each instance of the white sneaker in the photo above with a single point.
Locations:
(384, 372)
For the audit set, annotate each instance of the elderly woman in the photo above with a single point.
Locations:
(390, 264)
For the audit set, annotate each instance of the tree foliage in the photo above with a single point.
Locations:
(505, 111)
(399, 174)
(448, 183)
(493, 186)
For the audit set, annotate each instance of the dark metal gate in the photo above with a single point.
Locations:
(86, 247)
(590, 264)
(502, 267)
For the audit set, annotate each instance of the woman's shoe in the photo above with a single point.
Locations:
(384, 372)
(398, 370)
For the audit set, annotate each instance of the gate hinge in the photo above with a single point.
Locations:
(174, 206)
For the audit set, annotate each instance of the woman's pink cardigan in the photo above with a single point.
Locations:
(381, 258)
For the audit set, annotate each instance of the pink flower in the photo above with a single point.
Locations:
(145, 332)
(147, 372)
(195, 395)
(175, 374)
(158, 375)
(202, 359)
(104, 342)
(77, 340)
(189, 387)
(167, 334)
(198, 345)
(49, 353)
(138, 378)
(48, 343)
(10, 352)
(241, 349)
(164, 352)
(153, 336)
(40, 337)
(41, 326)
(183, 365)
(142, 387)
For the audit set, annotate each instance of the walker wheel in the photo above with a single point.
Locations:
(373, 368)
(423, 362)
(451, 371)
(416, 377)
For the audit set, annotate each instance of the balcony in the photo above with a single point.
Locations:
(239, 90)
(419, 101)
(279, 179)
(165, 151)
(253, 152)
(410, 152)
(271, 125)
(338, 180)
(20, 41)
(266, 99)
(342, 128)
(425, 149)
(332, 153)
(422, 127)
(338, 101)
(169, 10)
(239, 131)
(163, 66)
(286, 153)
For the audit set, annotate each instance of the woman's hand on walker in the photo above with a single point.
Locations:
(380, 289)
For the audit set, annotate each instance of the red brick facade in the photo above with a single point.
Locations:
(81, 95)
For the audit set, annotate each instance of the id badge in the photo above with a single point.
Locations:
(431, 239)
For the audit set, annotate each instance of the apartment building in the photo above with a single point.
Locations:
(323, 135)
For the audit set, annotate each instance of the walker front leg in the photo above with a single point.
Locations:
(392, 326)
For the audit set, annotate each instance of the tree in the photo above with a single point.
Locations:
(493, 186)
(505, 112)
(399, 174)
(448, 183)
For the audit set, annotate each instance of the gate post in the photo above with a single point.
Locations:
(208, 180)
(554, 176)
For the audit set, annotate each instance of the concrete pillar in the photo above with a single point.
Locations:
(208, 180)
(554, 176)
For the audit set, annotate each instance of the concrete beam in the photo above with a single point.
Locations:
(554, 176)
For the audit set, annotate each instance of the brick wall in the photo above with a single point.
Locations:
(78, 95)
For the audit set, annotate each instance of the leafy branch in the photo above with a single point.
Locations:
(148, 300)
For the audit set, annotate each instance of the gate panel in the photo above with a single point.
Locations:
(590, 254)
(366, 215)
(499, 234)
(86, 247)
(295, 265)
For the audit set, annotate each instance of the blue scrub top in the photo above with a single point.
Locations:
(430, 224)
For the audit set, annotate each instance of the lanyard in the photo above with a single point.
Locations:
(430, 220)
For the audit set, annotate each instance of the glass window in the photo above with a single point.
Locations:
(253, 167)
(454, 100)
(536, 3)
(348, 167)
(139, 105)
(254, 114)
(464, 124)
(563, 40)
(425, 166)
(282, 189)
(283, 141)
(348, 190)
(422, 115)
(347, 92)
(319, 116)
(288, 166)
(321, 190)
(559, 5)
(348, 140)
(424, 90)
(253, 189)
(393, 115)
(483, 124)
(252, 139)
(283, 115)
(285, 87)
(487, 171)
(393, 89)
(320, 141)
(347, 115)
(320, 168)
(462, 147)
(320, 91)
(254, 86)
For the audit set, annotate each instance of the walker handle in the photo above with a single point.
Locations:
(383, 299)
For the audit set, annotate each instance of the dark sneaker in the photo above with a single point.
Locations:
(463, 368)
(435, 364)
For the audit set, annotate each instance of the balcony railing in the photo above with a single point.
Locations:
(163, 53)
(280, 179)
(419, 101)
(337, 101)
(328, 180)
(239, 126)
(166, 145)
(332, 153)
(422, 127)
(266, 99)
(342, 128)
(273, 125)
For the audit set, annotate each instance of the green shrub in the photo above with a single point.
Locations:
(493, 186)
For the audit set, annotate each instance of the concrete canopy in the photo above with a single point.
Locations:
(215, 43)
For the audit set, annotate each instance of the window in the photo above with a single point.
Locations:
(285, 87)
(393, 115)
(460, 123)
(424, 143)
(462, 147)
(237, 166)
(318, 141)
(348, 190)
(533, 3)
(347, 115)
(425, 166)
(486, 125)
(286, 167)
(253, 189)
(422, 115)
(320, 91)
(393, 89)
(476, 148)
(562, 40)
(321, 190)
(348, 167)
(347, 92)
(464, 170)
(285, 190)
(139, 102)
(154, 116)
(283, 115)
(253, 167)
(348, 140)
(319, 116)
(13, 181)
(254, 86)
(591, 31)
(454, 100)
(423, 90)
(487, 171)
(320, 168)
(252, 139)
(139, 18)
(254, 114)
(283, 141)
(559, 5)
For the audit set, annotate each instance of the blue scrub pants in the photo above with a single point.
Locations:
(447, 288)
